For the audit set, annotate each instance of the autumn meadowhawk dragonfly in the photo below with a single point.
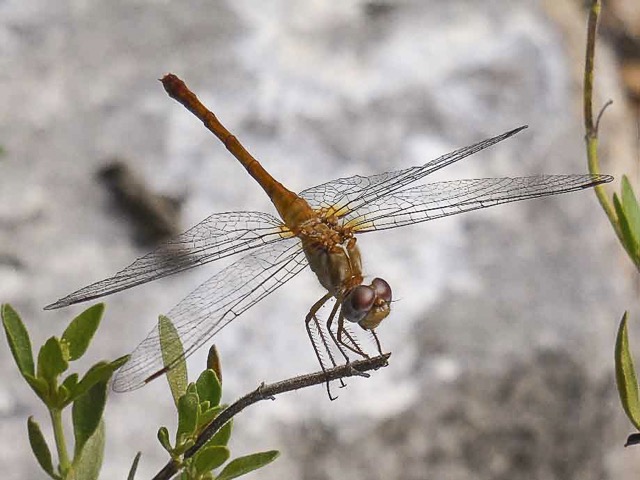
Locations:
(316, 228)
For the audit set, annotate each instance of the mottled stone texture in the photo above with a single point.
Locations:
(318, 90)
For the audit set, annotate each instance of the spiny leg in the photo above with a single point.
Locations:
(331, 334)
(378, 344)
(319, 355)
(353, 345)
(350, 341)
(311, 316)
(349, 337)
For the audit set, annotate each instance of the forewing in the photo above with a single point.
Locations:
(426, 202)
(213, 305)
(345, 195)
(218, 236)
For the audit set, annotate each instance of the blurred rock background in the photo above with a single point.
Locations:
(503, 332)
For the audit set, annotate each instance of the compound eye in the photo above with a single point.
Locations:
(382, 289)
(358, 303)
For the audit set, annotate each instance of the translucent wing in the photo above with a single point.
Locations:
(435, 200)
(349, 194)
(213, 305)
(218, 236)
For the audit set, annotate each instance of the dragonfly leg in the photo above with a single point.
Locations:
(378, 344)
(347, 339)
(311, 320)
(331, 334)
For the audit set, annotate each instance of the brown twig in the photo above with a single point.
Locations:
(268, 392)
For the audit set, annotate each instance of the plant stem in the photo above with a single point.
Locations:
(61, 445)
(591, 128)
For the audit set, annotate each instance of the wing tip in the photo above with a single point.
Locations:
(57, 304)
(601, 178)
(515, 131)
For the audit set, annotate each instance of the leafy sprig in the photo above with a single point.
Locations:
(87, 395)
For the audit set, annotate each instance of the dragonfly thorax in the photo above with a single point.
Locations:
(338, 266)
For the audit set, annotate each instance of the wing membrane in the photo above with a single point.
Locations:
(213, 305)
(352, 193)
(435, 200)
(218, 236)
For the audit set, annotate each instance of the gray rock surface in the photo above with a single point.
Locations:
(318, 90)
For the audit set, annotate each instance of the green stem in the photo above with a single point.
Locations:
(61, 445)
(591, 128)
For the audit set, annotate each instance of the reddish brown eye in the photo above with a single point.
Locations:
(358, 302)
(382, 289)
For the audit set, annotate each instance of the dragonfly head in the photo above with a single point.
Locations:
(368, 305)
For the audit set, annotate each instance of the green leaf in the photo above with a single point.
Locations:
(18, 339)
(209, 388)
(222, 436)
(87, 465)
(208, 458)
(630, 241)
(243, 465)
(626, 375)
(70, 382)
(631, 208)
(101, 371)
(40, 386)
(207, 415)
(187, 416)
(80, 331)
(134, 467)
(180, 449)
(171, 347)
(51, 362)
(40, 447)
(163, 438)
(87, 413)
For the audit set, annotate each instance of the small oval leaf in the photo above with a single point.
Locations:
(210, 457)
(87, 414)
(80, 331)
(209, 388)
(243, 465)
(222, 436)
(187, 416)
(207, 416)
(39, 386)
(626, 375)
(18, 339)
(171, 347)
(163, 438)
(40, 447)
(628, 237)
(101, 371)
(87, 465)
(630, 204)
(51, 361)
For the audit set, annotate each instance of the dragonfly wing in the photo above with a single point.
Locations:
(213, 305)
(347, 194)
(435, 200)
(218, 236)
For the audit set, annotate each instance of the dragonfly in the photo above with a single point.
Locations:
(316, 228)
